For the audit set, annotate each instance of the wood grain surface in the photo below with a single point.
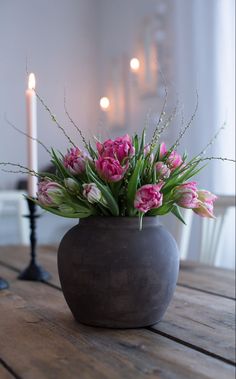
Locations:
(207, 278)
(40, 339)
(4, 373)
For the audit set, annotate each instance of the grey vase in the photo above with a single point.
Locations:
(114, 275)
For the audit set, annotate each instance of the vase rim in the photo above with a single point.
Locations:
(115, 221)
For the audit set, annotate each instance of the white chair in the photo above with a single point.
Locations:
(183, 232)
(12, 202)
(211, 231)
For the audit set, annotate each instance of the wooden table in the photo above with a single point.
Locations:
(40, 339)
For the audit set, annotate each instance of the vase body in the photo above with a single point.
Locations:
(114, 275)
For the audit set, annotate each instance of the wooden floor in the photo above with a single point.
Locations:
(40, 339)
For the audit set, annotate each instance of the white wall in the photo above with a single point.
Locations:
(121, 36)
(59, 39)
(75, 43)
(204, 55)
(68, 43)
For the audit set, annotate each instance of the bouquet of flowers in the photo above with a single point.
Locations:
(125, 177)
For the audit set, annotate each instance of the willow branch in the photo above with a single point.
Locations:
(54, 119)
(183, 131)
(165, 125)
(23, 169)
(27, 135)
(162, 114)
(15, 171)
(147, 119)
(74, 124)
(26, 66)
(216, 158)
(211, 142)
(169, 119)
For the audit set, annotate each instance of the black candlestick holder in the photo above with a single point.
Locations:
(33, 271)
(3, 284)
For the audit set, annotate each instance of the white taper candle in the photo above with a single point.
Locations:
(32, 148)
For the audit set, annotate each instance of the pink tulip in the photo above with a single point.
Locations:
(146, 151)
(186, 195)
(110, 169)
(163, 150)
(72, 185)
(206, 204)
(148, 197)
(174, 160)
(75, 161)
(162, 170)
(119, 149)
(49, 194)
(92, 193)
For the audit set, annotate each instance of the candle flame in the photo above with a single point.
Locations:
(134, 64)
(104, 103)
(31, 82)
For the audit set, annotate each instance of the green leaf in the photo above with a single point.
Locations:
(112, 204)
(178, 178)
(136, 143)
(188, 172)
(164, 209)
(102, 210)
(75, 200)
(115, 189)
(194, 172)
(142, 142)
(92, 152)
(64, 173)
(176, 211)
(154, 175)
(141, 214)
(133, 185)
(47, 175)
(157, 154)
(148, 171)
(185, 156)
(82, 213)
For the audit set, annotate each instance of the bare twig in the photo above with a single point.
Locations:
(156, 133)
(165, 125)
(15, 171)
(23, 169)
(54, 119)
(74, 124)
(26, 65)
(183, 130)
(27, 135)
(215, 158)
(147, 119)
(169, 119)
(211, 142)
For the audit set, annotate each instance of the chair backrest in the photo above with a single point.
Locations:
(183, 232)
(213, 230)
(12, 203)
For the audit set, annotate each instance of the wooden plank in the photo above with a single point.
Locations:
(193, 275)
(18, 258)
(40, 339)
(207, 321)
(193, 317)
(4, 373)
(207, 278)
